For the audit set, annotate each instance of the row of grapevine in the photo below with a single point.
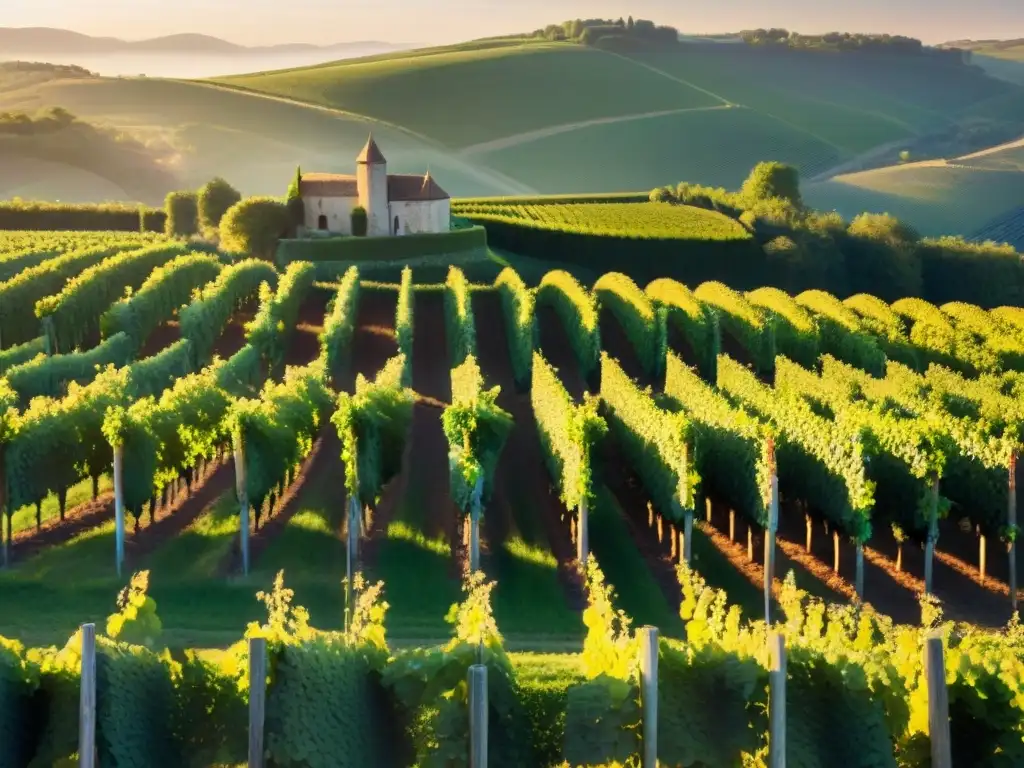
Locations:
(13, 262)
(21, 353)
(203, 321)
(404, 323)
(796, 329)
(568, 432)
(642, 321)
(517, 303)
(460, 328)
(751, 326)
(340, 325)
(49, 376)
(165, 290)
(576, 307)
(74, 313)
(694, 321)
(20, 294)
(275, 321)
(658, 444)
(842, 334)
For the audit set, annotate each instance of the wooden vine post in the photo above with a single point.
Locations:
(859, 578)
(686, 551)
(649, 695)
(769, 534)
(241, 490)
(5, 520)
(478, 710)
(933, 535)
(776, 700)
(257, 699)
(119, 506)
(1011, 524)
(475, 513)
(87, 700)
(583, 533)
(938, 703)
(351, 557)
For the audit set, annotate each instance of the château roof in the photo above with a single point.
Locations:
(371, 153)
(328, 185)
(413, 186)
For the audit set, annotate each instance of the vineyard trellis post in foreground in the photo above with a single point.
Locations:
(119, 505)
(475, 504)
(933, 536)
(769, 534)
(1011, 524)
(351, 556)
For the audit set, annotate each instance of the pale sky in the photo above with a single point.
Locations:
(263, 22)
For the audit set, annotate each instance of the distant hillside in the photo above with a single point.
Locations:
(1012, 50)
(43, 40)
(527, 115)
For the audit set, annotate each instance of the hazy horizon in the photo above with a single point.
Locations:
(323, 22)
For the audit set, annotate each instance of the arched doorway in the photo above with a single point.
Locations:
(396, 226)
(321, 223)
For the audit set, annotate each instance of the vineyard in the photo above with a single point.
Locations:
(556, 454)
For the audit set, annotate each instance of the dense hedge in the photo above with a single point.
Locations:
(361, 249)
(120, 217)
(741, 262)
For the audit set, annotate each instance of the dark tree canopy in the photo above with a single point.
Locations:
(214, 199)
(254, 226)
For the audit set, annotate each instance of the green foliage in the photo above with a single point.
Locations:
(359, 221)
(254, 225)
(730, 445)
(752, 327)
(203, 321)
(136, 621)
(213, 201)
(932, 334)
(577, 309)
(339, 253)
(20, 294)
(340, 325)
(460, 329)
(72, 314)
(520, 326)
(476, 428)
(278, 430)
(431, 687)
(568, 433)
(88, 218)
(796, 330)
(152, 375)
(643, 322)
(879, 319)
(18, 261)
(19, 681)
(404, 323)
(50, 376)
(165, 290)
(658, 444)
(814, 463)
(773, 180)
(241, 375)
(373, 426)
(697, 323)
(842, 333)
(182, 210)
(277, 317)
(997, 350)
(602, 719)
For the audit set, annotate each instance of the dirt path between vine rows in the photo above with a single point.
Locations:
(616, 343)
(374, 341)
(521, 464)
(556, 349)
(304, 343)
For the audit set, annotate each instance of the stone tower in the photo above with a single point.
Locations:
(372, 181)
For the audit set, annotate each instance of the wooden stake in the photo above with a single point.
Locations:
(859, 579)
(119, 506)
(673, 542)
(351, 559)
(583, 538)
(707, 509)
(87, 700)
(982, 556)
(732, 525)
(933, 535)
(688, 536)
(809, 525)
(938, 703)
(649, 695)
(899, 556)
(769, 544)
(776, 700)
(750, 543)
(478, 716)
(243, 502)
(475, 513)
(257, 699)
(661, 529)
(835, 551)
(650, 515)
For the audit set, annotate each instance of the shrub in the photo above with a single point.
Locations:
(773, 180)
(359, 221)
(213, 201)
(182, 214)
(254, 225)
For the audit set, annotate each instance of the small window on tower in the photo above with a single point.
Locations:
(322, 222)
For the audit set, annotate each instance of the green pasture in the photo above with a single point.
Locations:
(936, 199)
(716, 148)
(464, 97)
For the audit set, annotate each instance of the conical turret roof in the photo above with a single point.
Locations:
(371, 153)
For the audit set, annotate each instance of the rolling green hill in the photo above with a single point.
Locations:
(525, 116)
